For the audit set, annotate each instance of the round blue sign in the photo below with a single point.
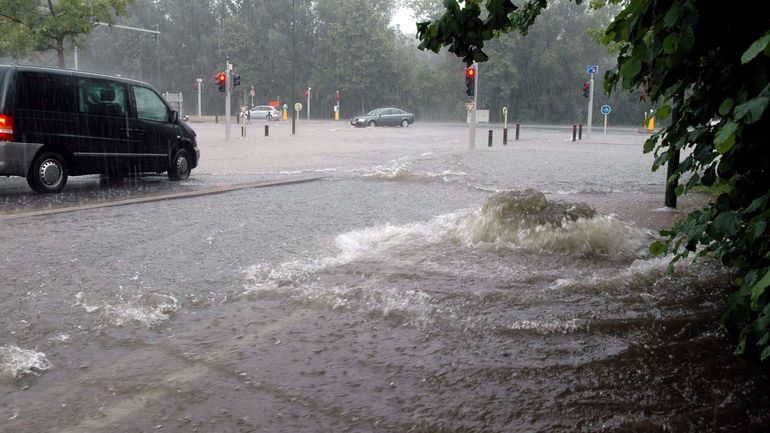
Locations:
(606, 109)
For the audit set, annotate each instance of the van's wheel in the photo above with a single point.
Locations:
(48, 173)
(180, 165)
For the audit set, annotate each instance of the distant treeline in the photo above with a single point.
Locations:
(348, 45)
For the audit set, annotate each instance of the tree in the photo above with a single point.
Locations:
(708, 66)
(34, 25)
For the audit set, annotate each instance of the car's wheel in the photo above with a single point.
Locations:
(48, 173)
(180, 165)
(269, 117)
(372, 123)
(404, 123)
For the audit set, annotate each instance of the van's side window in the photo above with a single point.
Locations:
(45, 91)
(149, 106)
(102, 97)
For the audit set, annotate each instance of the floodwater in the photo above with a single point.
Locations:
(417, 286)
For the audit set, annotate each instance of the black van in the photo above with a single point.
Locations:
(56, 123)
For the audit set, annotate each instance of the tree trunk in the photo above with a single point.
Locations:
(60, 52)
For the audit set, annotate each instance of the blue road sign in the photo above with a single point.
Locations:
(593, 69)
(606, 109)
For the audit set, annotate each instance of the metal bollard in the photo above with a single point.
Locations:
(580, 131)
(489, 140)
(505, 136)
(574, 132)
(243, 131)
(517, 132)
(267, 130)
(216, 118)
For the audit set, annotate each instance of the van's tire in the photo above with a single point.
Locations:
(48, 173)
(180, 165)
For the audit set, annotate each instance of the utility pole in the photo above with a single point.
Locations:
(228, 82)
(475, 67)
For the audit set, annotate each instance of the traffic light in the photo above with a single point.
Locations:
(586, 88)
(470, 81)
(236, 79)
(222, 81)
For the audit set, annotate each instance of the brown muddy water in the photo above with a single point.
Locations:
(417, 287)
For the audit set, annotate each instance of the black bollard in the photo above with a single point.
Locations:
(517, 132)
(574, 132)
(580, 131)
(216, 118)
(505, 136)
(489, 140)
(267, 131)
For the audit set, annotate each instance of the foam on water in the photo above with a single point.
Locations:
(16, 362)
(377, 269)
(525, 219)
(403, 171)
(148, 309)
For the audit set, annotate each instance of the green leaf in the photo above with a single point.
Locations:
(670, 44)
(757, 47)
(630, 68)
(759, 229)
(728, 223)
(757, 203)
(758, 289)
(752, 109)
(663, 112)
(725, 138)
(765, 354)
(658, 248)
(726, 106)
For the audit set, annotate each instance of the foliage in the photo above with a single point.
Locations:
(349, 46)
(34, 25)
(708, 63)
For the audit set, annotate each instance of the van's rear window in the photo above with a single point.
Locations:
(45, 91)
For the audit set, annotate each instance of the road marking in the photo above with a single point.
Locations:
(219, 189)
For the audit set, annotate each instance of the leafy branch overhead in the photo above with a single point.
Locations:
(34, 25)
(464, 31)
(707, 66)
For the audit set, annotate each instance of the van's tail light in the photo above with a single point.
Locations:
(6, 128)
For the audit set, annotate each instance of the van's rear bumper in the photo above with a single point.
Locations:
(15, 158)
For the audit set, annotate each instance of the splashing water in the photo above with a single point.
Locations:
(16, 362)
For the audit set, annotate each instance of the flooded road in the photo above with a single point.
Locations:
(416, 286)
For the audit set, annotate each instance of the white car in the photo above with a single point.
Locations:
(264, 112)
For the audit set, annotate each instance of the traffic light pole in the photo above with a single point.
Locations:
(200, 84)
(590, 104)
(228, 79)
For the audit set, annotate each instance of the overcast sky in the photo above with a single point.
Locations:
(404, 19)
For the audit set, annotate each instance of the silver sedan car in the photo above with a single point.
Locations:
(384, 117)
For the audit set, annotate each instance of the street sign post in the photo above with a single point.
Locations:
(606, 109)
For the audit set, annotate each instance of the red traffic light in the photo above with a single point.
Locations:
(221, 78)
(470, 72)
